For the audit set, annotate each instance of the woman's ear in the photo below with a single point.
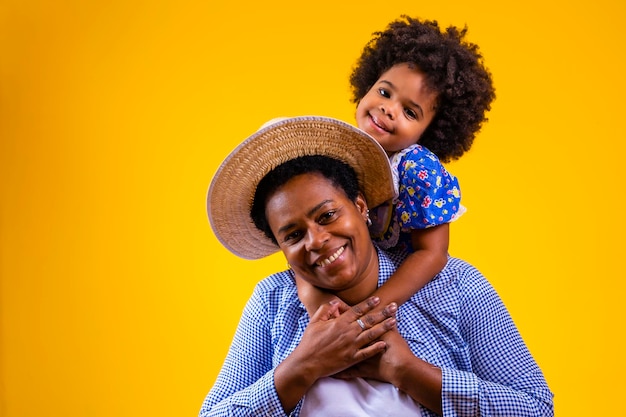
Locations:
(361, 204)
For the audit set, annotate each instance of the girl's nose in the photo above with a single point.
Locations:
(387, 110)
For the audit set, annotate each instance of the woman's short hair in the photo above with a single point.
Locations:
(340, 174)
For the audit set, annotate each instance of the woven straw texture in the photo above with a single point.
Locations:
(231, 192)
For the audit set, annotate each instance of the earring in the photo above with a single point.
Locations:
(368, 221)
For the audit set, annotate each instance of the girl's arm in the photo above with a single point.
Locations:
(429, 198)
(492, 374)
(428, 259)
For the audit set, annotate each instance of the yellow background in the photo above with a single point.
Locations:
(117, 300)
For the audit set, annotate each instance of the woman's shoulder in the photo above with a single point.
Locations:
(278, 282)
(457, 285)
(390, 259)
(467, 278)
(274, 293)
(459, 269)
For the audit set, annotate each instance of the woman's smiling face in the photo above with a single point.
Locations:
(324, 235)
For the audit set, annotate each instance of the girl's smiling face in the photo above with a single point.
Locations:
(398, 108)
(324, 236)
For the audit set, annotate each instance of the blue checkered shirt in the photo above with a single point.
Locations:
(457, 322)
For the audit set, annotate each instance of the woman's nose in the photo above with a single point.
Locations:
(316, 238)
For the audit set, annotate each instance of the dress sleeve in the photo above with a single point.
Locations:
(505, 379)
(245, 384)
(428, 195)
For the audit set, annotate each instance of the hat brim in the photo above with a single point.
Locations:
(231, 193)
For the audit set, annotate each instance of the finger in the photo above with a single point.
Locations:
(343, 307)
(363, 307)
(370, 351)
(373, 318)
(326, 312)
(375, 332)
(337, 306)
(390, 310)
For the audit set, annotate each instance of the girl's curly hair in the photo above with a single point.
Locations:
(452, 67)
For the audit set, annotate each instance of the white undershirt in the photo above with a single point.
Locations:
(358, 397)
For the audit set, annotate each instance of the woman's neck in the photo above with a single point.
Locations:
(366, 286)
(313, 297)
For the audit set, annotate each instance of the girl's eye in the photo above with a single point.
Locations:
(383, 92)
(411, 114)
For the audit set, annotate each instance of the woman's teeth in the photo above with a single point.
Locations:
(331, 258)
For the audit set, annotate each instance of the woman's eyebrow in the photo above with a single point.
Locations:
(309, 213)
(317, 207)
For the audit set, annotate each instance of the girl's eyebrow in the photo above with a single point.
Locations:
(411, 102)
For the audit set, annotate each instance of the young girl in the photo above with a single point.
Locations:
(422, 93)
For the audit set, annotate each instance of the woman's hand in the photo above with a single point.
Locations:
(336, 338)
(398, 366)
(382, 367)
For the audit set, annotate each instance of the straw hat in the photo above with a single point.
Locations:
(232, 189)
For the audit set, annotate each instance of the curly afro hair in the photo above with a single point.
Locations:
(452, 67)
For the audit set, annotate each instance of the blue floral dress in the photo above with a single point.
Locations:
(427, 195)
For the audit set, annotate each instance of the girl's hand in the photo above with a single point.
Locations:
(311, 296)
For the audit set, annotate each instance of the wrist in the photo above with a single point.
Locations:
(422, 381)
(298, 371)
(410, 371)
(292, 381)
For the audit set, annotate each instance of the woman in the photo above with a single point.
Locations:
(294, 186)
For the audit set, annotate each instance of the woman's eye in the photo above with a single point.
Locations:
(293, 236)
(383, 92)
(328, 216)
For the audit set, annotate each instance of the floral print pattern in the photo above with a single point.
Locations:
(428, 195)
